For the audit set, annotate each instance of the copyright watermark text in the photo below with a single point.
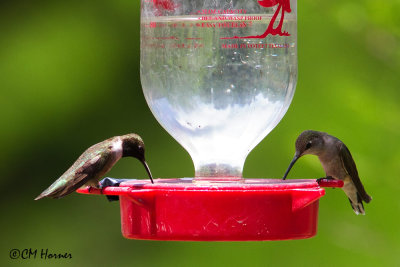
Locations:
(44, 254)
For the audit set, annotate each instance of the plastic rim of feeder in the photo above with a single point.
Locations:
(257, 209)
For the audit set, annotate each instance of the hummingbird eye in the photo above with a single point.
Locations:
(141, 149)
(309, 144)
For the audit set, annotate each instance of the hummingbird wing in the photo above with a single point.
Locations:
(86, 168)
(350, 166)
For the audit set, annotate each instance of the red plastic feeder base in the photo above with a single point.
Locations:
(257, 209)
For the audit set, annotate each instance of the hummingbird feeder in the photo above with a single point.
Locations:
(257, 209)
(218, 75)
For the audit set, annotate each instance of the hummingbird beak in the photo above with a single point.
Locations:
(295, 158)
(148, 170)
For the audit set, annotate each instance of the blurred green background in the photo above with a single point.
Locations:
(69, 77)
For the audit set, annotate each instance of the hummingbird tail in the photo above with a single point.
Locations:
(357, 206)
(46, 193)
(355, 197)
(57, 190)
(49, 192)
(40, 196)
(56, 194)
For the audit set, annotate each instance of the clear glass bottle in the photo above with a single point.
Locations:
(218, 75)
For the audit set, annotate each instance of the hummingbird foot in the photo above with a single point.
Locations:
(325, 178)
(111, 182)
(90, 189)
(329, 178)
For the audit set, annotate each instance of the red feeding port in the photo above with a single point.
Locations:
(256, 209)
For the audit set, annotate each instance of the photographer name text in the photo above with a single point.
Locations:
(43, 254)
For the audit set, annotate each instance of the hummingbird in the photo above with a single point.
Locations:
(95, 162)
(337, 162)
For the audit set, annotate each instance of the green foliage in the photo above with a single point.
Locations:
(69, 76)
